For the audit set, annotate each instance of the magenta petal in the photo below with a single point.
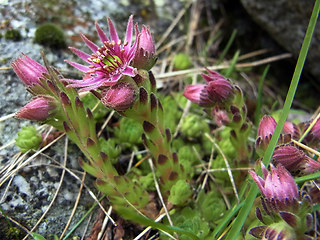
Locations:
(259, 181)
(35, 64)
(90, 44)
(113, 32)
(129, 33)
(84, 56)
(130, 71)
(101, 34)
(78, 66)
(206, 77)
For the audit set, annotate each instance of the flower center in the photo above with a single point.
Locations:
(107, 59)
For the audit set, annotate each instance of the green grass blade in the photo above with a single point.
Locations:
(227, 47)
(309, 177)
(239, 221)
(82, 218)
(230, 69)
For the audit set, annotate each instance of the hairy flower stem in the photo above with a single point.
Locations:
(148, 110)
(240, 125)
(79, 125)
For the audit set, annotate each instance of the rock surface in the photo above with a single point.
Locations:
(286, 21)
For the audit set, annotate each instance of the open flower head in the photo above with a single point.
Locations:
(108, 63)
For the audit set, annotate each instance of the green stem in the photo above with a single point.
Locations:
(239, 221)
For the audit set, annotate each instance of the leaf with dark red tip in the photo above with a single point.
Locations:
(289, 218)
(257, 231)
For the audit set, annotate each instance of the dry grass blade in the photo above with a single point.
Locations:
(7, 145)
(223, 66)
(310, 127)
(5, 68)
(149, 228)
(11, 115)
(173, 24)
(306, 147)
(227, 165)
(104, 224)
(226, 169)
(88, 189)
(105, 123)
(22, 164)
(193, 23)
(207, 170)
(75, 206)
(159, 194)
(57, 191)
(19, 225)
(87, 226)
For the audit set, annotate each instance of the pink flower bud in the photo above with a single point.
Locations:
(38, 109)
(28, 70)
(220, 116)
(315, 130)
(119, 97)
(144, 57)
(218, 87)
(146, 40)
(219, 90)
(289, 156)
(309, 166)
(279, 190)
(267, 126)
(212, 76)
(292, 129)
(197, 94)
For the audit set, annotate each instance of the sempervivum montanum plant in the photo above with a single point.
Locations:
(118, 75)
(61, 107)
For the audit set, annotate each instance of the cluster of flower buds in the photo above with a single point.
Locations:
(266, 128)
(32, 74)
(225, 103)
(285, 211)
(296, 161)
(216, 91)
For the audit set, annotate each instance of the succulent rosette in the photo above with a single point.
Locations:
(108, 63)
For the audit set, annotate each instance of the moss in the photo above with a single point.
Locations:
(182, 61)
(50, 35)
(12, 34)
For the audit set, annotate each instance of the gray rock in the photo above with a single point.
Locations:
(286, 21)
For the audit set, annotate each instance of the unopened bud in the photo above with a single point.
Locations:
(144, 57)
(119, 97)
(38, 109)
(28, 70)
